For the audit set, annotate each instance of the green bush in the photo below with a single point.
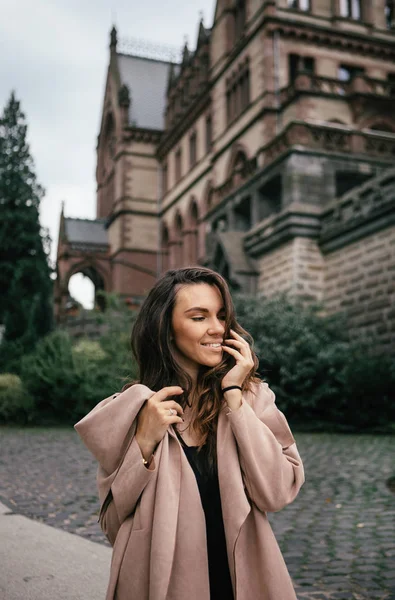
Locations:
(90, 349)
(66, 381)
(318, 373)
(15, 402)
(53, 377)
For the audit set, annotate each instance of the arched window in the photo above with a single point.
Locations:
(239, 167)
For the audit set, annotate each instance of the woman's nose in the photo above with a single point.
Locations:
(217, 327)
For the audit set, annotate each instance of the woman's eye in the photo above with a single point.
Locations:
(197, 318)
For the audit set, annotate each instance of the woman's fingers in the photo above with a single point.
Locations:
(167, 405)
(164, 393)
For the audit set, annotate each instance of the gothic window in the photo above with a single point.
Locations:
(245, 89)
(178, 159)
(299, 4)
(209, 133)
(350, 9)
(192, 149)
(240, 18)
(238, 93)
(239, 168)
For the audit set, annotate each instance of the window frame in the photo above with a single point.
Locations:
(296, 5)
(347, 9)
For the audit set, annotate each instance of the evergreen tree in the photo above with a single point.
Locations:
(25, 283)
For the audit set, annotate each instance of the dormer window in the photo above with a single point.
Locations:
(350, 9)
(299, 4)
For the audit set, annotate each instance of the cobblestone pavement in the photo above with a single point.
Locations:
(337, 538)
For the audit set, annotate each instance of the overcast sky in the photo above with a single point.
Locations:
(55, 54)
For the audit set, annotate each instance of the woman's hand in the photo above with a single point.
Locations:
(154, 418)
(241, 351)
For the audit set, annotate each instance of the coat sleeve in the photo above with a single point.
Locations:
(127, 484)
(271, 466)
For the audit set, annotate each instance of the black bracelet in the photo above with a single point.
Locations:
(232, 387)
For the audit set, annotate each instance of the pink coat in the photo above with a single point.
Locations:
(154, 518)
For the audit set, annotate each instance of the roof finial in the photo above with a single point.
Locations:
(185, 52)
(113, 39)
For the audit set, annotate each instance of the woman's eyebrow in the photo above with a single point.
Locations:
(202, 309)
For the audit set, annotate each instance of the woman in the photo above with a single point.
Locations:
(193, 456)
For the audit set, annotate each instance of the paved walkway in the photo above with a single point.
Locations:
(38, 562)
(338, 537)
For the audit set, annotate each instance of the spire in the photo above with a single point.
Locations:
(202, 34)
(185, 54)
(171, 76)
(113, 39)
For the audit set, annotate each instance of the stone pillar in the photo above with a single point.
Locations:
(174, 254)
(336, 8)
(190, 246)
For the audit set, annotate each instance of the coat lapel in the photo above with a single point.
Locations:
(165, 517)
(235, 505)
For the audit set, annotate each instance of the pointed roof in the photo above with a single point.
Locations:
(86, 233)
(186, 55)
(203, 34)
(147, 81)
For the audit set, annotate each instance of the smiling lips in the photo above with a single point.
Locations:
(214, 346)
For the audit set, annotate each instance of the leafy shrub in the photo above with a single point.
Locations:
(53, 377)
(91, 349)
(317, 373)
(67, 381)
(15, 402)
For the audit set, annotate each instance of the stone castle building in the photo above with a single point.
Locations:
(267, 153)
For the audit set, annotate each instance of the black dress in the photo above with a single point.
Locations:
(219, 575)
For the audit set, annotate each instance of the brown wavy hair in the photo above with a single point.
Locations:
(158, 368)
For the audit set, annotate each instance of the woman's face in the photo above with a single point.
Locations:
(198, 321)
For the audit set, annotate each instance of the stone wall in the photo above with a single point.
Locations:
(296, 267)
(277, 270)
(360, 280)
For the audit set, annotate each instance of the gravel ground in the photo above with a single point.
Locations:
(338, 537)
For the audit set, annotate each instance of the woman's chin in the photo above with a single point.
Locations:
(213, 361)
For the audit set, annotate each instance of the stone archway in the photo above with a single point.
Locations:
(64, 303)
